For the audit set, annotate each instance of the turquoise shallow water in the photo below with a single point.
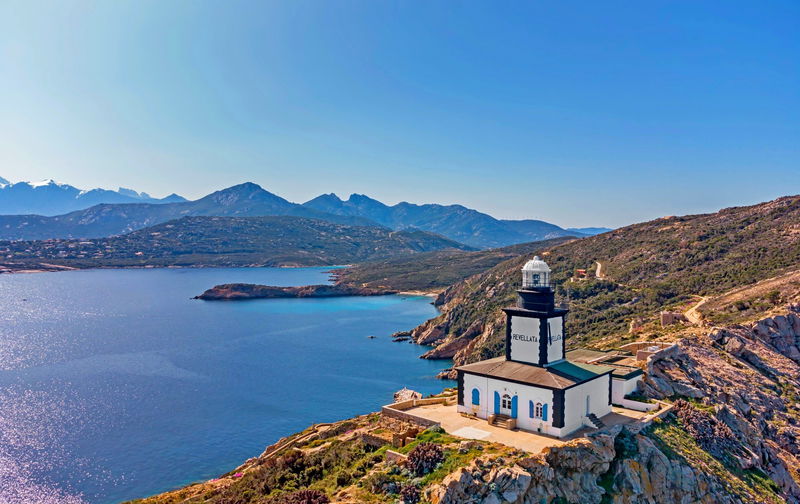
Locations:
(114, 384)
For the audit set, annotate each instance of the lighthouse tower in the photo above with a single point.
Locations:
(535, 327)
(534, 387)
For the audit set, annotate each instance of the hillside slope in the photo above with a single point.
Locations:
(227, 241)
(433, 271)
(650, 266)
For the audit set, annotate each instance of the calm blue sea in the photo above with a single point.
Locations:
(114, 384)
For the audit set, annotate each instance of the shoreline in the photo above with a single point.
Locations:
(431, 293)
(56, 268)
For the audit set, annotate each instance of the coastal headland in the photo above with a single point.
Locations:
(241, 291)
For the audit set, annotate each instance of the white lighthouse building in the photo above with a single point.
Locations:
(534, 387)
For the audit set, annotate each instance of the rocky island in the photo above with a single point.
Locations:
(238, 291)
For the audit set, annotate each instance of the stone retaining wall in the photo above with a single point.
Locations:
(400, 410)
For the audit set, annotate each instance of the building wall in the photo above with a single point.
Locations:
(525, 339)
(526, 333)
(555, 349)
(575, 402)
(524, 393)
(574, 407)
(621, 388)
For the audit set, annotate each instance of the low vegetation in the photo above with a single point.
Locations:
(676, 438)
(433, 271)
(339, 463)
(227, 241)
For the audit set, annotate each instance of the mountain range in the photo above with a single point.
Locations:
(27, 213)
(53, 198)
(454, 221)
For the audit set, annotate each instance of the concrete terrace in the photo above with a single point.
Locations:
(468, 427)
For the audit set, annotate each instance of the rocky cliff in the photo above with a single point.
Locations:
(615, 467)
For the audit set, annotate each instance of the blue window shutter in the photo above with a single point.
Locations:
(544, 412)
(476, 397)
(514, 407)
(530, 409)
(496, 403)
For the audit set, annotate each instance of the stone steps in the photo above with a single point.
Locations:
(596, 421)
(504, 421)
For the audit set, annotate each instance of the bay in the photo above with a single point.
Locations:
(115, 384)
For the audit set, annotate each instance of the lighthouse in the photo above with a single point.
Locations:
(533, 386)
(535, 327)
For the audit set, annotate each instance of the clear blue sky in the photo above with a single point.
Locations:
(579, 113)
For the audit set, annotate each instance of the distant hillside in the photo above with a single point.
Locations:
(650, 266)
(226, 241)
(52, 198)
(34, 212)
(454, 221)
(433, 271)
(104, 220)
(590, 231)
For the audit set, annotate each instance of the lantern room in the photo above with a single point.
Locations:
(536, 274)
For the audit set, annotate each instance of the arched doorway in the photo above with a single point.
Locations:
(505, 405)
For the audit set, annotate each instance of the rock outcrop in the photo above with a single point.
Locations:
(750, 377)
(448, 349)
(617, 467)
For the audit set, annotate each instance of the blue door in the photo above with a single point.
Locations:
(514, 407)
(496, 403)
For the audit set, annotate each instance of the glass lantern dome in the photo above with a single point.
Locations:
(536, 274)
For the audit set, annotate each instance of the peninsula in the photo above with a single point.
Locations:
(237, 291)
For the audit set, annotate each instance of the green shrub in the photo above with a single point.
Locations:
(304, 497)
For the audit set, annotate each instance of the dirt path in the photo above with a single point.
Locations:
(693, 315)
(600, 273)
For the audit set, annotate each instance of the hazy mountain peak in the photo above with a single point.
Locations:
(173, 198)
(47, 182)
(244, 195)
(133, 194)
(247, 189)
(329, 198)
(48, 197)
(361, 198)
(366, 204)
